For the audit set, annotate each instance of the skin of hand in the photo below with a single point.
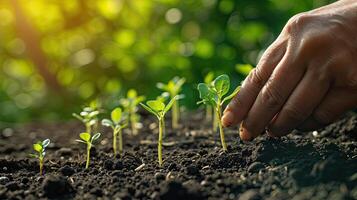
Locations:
(305, 80)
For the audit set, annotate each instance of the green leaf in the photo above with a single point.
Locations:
(95, 137)
(84, 113)
(93, 113)
(162, 86)
(179, 83)
(116, 115)
(221, 84)
(77, 116)
(156, 105)
(169, 105)
(81, 141)
(45, 143)
(33, 155)
(107, 122)
(132, 94)
(37, 147)
(207, 94)
(85, 136)
(231, 95)
(149, 109)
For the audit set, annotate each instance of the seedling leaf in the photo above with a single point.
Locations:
(107, 122)
(169, 105)
(206, 94)
(37, 147)
(231, 95)
(149, 109)
(85, 137)
(95, 137)
(221, 84)
(156, 105)
(116, 115)
(45, 143)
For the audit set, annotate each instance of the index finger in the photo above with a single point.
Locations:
(240, 105)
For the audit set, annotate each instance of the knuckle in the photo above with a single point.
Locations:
(256, 78)
(297, 22)
(271, 97)
(323, 116)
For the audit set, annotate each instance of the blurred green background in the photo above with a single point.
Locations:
(58, 55)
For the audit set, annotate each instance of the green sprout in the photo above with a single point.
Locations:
(116, 123)
(40, 148)
(87, 139)
(173, 87)
(159, 109)
(213, 94)
(88, 117)
(209, 110)
(130, 104)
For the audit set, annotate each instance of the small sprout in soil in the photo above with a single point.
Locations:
(213, 94)
(173, 87)
(130, 104)
(209, 110)
(117, 124)
(87, 139)
(40, 148)
(88, 117)
(159, 109)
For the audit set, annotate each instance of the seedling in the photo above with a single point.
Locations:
(116, 123)
(40, 148)
(87, 139)
(130, 104)
(159, 109)
(209, 114)
(212, 94)
(88, 117)
(173, 87)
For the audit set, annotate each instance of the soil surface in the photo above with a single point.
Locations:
(312, 165)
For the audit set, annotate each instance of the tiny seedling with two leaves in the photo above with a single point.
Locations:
(173, 87)
(40, 148)
(159, 109)
(130, 105)
(214, 94)
(88, 117)
(87, 139)
(117, 124)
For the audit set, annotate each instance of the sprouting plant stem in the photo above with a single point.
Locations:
(159, 145)
(133, 123)
(115, 142)
(120, 142)
(175, 114)
(88, 128)
(221, 132)
(208, 113)
(41, 165)
(89, 146)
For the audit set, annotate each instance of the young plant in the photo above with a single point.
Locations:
(159, 109)
(88, 117)
(130, 104)
(87, 139)
(173, 87)
(40, 148)
(209, 110)
(213, 94)
(116, 123)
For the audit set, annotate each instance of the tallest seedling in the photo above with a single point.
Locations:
(213, 94)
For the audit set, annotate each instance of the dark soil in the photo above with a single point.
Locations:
(319, 165)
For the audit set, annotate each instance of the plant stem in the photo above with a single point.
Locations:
(89, 146)
(41, 165)
(133, 123)
(88, 128)
(215, 122)
(120, 142)
(175, 114)
(221, 133)
(159, 145)
(115, 142)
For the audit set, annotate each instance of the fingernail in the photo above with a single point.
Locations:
(227, 119)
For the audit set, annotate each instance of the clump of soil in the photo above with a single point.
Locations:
(310, 165)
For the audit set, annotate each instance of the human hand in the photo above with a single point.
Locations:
(305, 80)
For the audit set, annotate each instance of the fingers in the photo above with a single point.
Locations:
(300, 105)
(238, 108)
(273, 95)
(336, 102)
